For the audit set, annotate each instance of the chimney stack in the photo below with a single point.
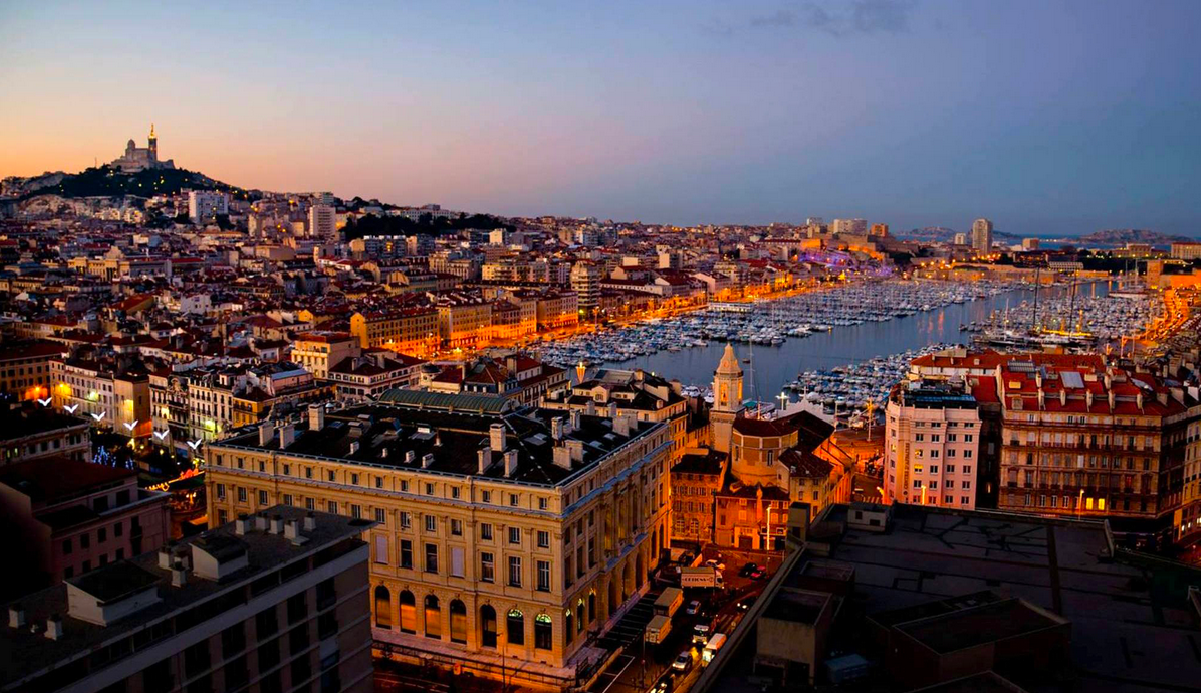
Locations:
(556, 428)
(410, 457)
(590, 408)
(562, 457)
(510, 463)
(354, 447)
(16, 616)
(54, 627)
(277, 524)
(496, 437)
(266, 433)
(179, 575)
(316, 417)
(427, 460)
(260, 522)
(621, 425)
(611, 410)
(575, 419)
(310, 521)
(242, 524)
(485, 454)
(287, 433)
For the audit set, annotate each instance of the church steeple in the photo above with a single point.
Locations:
(152, 144)
(727, 398)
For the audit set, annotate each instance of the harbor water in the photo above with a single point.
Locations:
(769, 369)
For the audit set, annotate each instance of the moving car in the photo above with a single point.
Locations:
(694, 608)
(683, 661)
(700, 633)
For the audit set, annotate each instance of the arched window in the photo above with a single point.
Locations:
(408, 612)
(458, 622)
(433, 618)
(579, 616)
(515, 627)
(383, 608)
(567, 629)
(487, 626)
(591, 607)
(542, 632)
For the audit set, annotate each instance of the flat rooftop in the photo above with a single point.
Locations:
(383, 433)
(1131, 627)
(797, 606)
(32, 419)
(24, 653)
(977, 625)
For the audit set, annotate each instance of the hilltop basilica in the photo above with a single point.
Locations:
(140, 159)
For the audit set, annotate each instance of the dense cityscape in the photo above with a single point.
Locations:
(277, 440)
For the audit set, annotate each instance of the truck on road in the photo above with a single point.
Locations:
(658, 629)
(712, 647)
(699, 576)
(669, 602)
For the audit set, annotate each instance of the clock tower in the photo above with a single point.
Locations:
(727, 399)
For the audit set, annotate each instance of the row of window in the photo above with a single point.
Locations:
(515, 620)
(514, 576)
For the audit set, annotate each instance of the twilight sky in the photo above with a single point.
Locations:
(1048, 117)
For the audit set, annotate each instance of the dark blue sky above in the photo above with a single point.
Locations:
(1047, 117)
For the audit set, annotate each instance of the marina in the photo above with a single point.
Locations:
(843, 346)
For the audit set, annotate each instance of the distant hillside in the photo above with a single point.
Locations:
(943, 234)
(1115, 236)
(104, 181)
(372, 225)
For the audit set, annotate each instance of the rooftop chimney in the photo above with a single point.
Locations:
(1139, 399)
(575, 419)
(277, 524)
(611, 410)
(354, 447)
(260, 522)
(266, 433)
(576, 448)
(310, 521)
(179, 575)
(54, 627)
(242, 524)
(562, 457)
(556, 428)
(485, 459)
(1088, 399)
(1111, 399)
(287, 433)
(1042, 399)
(1063, 398)
(590, 408)
(427, 460)
(496, 437)
(316, 417)
(621, 425)
(510, 463)
(410, 457)
(292, 532)
(16, 616)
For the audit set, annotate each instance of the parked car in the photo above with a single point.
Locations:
(683, 661)
(716, 563)
(744, 604)
(694, 608)
(747, 569)
(759, 572)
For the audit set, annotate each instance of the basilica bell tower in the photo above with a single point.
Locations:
(727, 399)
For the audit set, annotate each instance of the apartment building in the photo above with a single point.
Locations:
(504, 537)
(932, 435)
(464, 321)
(558, 310)
(25, 368)
(202, 403)
(318, 351)
(67, 517)
(695, 481)
(277, 602)
(1187, 522)
(1082, 437)
(30, 431)
(410, 330)
(586, 280)
(113, 397)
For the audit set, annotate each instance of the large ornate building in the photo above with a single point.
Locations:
(138, 158)
(506, 538)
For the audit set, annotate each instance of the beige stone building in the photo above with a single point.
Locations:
(506, 538)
